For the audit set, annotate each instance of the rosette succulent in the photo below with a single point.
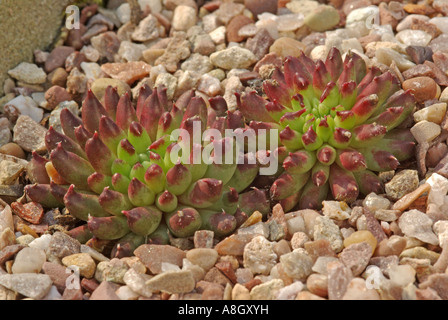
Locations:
(338, 125)
(114, 169)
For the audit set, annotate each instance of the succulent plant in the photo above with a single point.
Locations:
(338, 125)
(113, 168)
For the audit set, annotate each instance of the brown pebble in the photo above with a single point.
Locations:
(89, 284)
(58, 77)
(259, 6)
(234, 26)
(57, 58)
(318, 284)
(424, 88)
(13, 149)
(408, 199)
(423, 9)
(252, 283)
(55, 95)
(226, 268)
(31, 212)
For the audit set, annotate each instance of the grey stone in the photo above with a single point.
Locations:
(414, 223)
(29, 135)
(401, 184)
(31, 285)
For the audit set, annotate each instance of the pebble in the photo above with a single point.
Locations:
(387, 56)
(337, 210)
(203, 257)
(439, 43)
(318, 284)
(417, 224)
(198, 63)
(444, 95)
(146, 30)
(233, 85)
(113, 271)
(62, 245)
(234, 26)
(361, 236)
(184, 17)
(402, 183)
(413, 37)
(209, 85)
(420, 253)
(267, 290)
(360, 19)
(425, 131)
(7, 238)
(437, 282)
(233, 58)
(323, 18)
(297, 264)
(240, 292)
(391, 247)
(99, 86)
(31, 285)
(419, 54)
(9, 172)
(107, 44)
(153, 256)
(129, 72)
(5, 132)
(137, 282)
(177, 49)
(259, 256)
(57, 274)
(28, 73)
(55, 95)
(29, 135)
(6, 219)
(304, 7)
(28, 107)
(325, 228)
(31, 211)
(356, 257)
(126, 293)
(58, 77)
(76, 82)
(408, 199)
(434, 113)
(320, 265)
(128, 51)
(260, 43)
(259, 6)
(375, 202)
(339, 277)
(83, 261)
(228, 10)
(29, 260)
(441, 23)
(123, 13)
(357, 290)
(57, 58)
(299, 239)
(105, 291)
(285, 47)
(172, 282)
